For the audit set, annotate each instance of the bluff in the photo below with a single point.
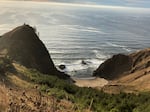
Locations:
(113, 67)
(121, 65)
(23, 46)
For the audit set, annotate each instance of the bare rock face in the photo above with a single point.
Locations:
(24, 46)
(121, 65)
(113, 67)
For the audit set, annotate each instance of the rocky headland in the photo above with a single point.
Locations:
(30, 82)
(126, 72)
(23, 46)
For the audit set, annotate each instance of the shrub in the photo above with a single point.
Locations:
(81, 97)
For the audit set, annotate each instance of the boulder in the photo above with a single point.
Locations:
(62, 67)
(83, 62)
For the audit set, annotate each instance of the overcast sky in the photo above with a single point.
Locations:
(131, 3)
(128, 3)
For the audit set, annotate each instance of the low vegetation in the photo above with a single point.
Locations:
(88, 98)
(5, 65)
(81, 98)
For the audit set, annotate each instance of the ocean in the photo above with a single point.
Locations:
(74, 34)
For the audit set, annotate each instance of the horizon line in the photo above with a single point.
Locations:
(83, 5)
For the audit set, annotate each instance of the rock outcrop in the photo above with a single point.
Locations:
(121, 65)
(114, 66)
(62, 67)
(23, 46)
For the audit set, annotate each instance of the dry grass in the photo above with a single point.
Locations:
(18, 81)
(134, 82)
(22, 96)
(31, 100)
(3, 98)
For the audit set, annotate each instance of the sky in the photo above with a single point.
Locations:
(126, 3)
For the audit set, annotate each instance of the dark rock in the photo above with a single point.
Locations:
(24, 46)
(120, 65)
(114, 67)
(83, 62)
(62, 67)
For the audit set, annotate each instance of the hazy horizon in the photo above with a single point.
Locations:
(122, 3)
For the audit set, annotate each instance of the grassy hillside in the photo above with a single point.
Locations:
(88, 98)
(29, 90)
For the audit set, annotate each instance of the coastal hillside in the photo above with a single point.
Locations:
(23, 46)
(128, 73)
(27, 89)
(114, 67)
(24, 90)
(120, 65)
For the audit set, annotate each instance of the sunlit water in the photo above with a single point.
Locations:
(74, 34)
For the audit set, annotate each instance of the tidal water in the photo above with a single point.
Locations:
(74, 34)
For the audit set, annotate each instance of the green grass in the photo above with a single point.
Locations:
(5, 65)
(82, 97)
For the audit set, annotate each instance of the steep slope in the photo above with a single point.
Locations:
(141, 60)
(24, 46)
(121, 65)
(28, 90)
(127, 73)
(18, 93)
(113, 67)
(134, 82)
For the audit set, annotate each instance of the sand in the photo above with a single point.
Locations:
(93, 82)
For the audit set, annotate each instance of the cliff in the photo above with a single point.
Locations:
(121, 65)
(23, 46)
(126, 73)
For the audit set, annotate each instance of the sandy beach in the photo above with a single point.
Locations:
(93, 82)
